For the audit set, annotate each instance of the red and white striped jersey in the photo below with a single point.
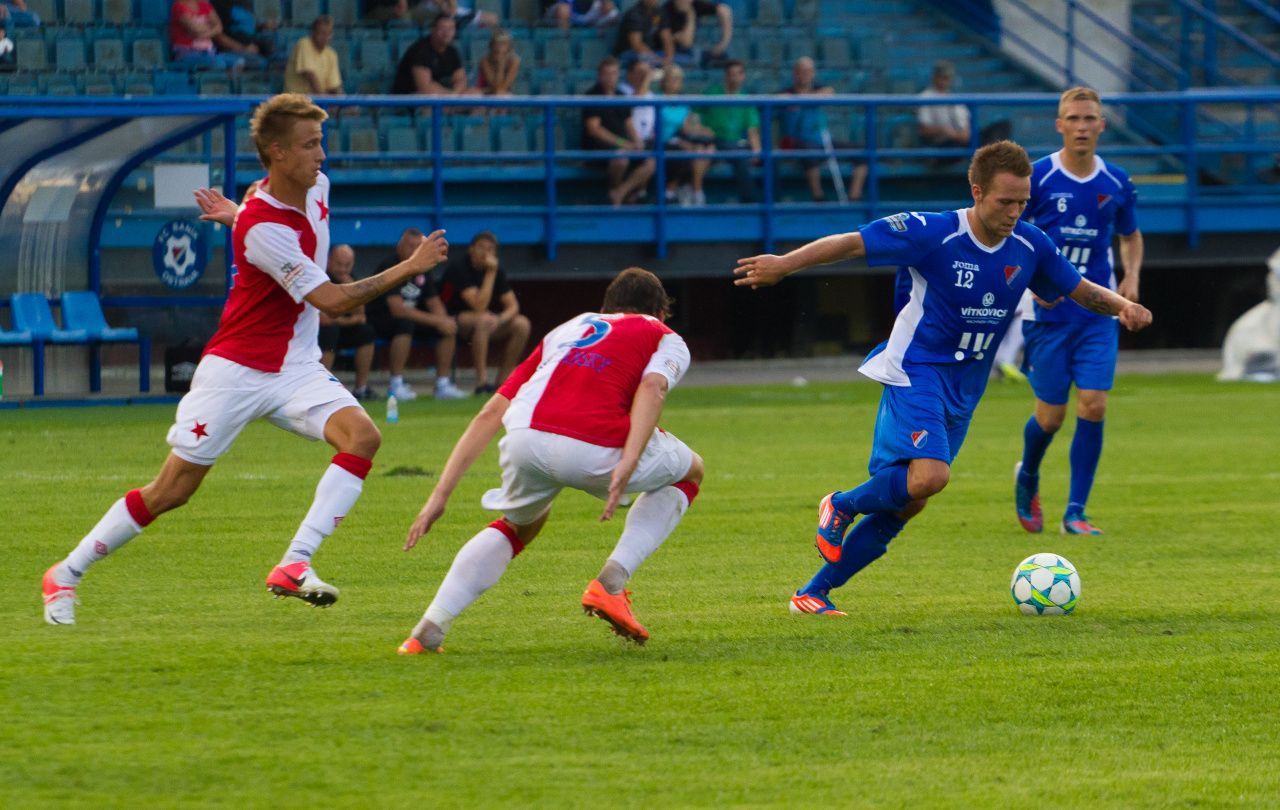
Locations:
(280, 256)
(581, 379)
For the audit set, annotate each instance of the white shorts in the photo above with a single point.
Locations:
(536, 465)
(226, 396)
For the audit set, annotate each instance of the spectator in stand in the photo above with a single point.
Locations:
(193, 24)
(947, 125)
(639, 85)
(680, 18)
(735, 128)
(384, 11)
(15, 14)
(462, 15)
(415, 311)
(641, 34)
(242, 33)
(579, 13)
(432, 66)
(349, 331)
(475, 290)
(499, 67)
(313, 68)
(681, 131)
(8, 58)
(806, 128)
(611, 128)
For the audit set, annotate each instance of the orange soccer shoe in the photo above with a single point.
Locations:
(411, 646)
(832, 525)
(59, 600)
(299, 581)
(614, 609)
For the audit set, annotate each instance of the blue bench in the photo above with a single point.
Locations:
(85, 326)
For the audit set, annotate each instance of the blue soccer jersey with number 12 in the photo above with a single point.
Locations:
(963, 293)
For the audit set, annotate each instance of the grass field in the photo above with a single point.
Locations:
(185, 684)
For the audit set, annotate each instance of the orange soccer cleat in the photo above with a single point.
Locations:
(614, 609)
(411, 646)
(299, 581)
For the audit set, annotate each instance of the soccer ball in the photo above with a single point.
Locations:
(1045, 585)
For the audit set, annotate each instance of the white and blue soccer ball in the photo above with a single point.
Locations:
(1045, 584)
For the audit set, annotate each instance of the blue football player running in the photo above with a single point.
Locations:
(1079, 200)
(968, 269)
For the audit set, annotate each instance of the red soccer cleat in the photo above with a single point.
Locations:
(411, 646)
(614, 609)
(815, 603)
(832, 524)
(299, 581)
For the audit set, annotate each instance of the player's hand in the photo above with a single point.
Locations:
(430, 252)
(1135, 317)
(760, 271)
(617, 488)
(1129, 287)
(215, 207)
(432, 511)
(1046, 304)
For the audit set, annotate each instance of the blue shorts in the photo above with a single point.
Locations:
(1059, 354)
(917, 422)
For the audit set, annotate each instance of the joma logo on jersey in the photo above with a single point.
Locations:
(965, 266)
(919, 437)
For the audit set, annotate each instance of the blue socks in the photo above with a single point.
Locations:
(886, 491)
(865, 543)
(1086, 449)
(1035, 441)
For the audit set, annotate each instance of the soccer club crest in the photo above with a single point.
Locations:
(919, 437)
(1011, 272)
(177, 254)
(1103, 199)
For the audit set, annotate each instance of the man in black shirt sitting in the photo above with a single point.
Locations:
(610, 128)
(432, 66)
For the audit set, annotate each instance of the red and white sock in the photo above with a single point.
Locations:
(478, 565)
(123, 521)
(337, 492)
(650, 520)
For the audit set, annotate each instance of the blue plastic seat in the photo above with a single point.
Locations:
(31, 313)
(82, 313)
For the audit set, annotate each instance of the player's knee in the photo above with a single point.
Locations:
(1050, 422)
(521, 326)
(929, 481)
(1092, 410)
(695, 470)
(912, 509)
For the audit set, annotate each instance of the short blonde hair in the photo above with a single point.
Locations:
(995, 158)
(1078, 94)
(273, 121)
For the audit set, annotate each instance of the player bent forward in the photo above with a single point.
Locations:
(968, 269)
(264, 360)
(581, 411)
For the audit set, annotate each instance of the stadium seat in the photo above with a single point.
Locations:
(403, 138)
(475, 137)
(77, 12)
(117, 12)
(805, 11)
(525, 11)
(802, 46)
(836, 52)
(344, 12)
(591, 51)
(31, 313)
(102, 85)
(32, 54)
(69, 53)
(63, 86)
(304, 12)
(769, 12)
(82, 312)
(148, 54)
(375, 55)
(268, 10)
(513, 136)
(47, 9)
(255, 86)
(108, 54)
(557, 53)
(213, 84)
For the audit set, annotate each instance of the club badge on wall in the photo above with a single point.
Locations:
(177, 255)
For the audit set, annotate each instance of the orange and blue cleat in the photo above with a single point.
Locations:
(1077, 523)
(816, 603)
(299, 581)
(411, 646)
(1026, 501)
(832, 524)
(614, 609)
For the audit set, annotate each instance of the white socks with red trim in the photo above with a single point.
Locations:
(478, 565)
(650, 520)
(337, 492)
(122, 522)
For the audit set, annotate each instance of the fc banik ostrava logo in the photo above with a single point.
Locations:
(177, 255)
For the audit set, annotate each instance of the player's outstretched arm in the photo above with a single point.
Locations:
(646, 408)
(336, 299)
(484, 426)
(767, 269)
(215, 207)
(1097, 298)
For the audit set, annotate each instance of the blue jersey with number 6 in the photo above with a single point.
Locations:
(1080, 215)
(963, 293)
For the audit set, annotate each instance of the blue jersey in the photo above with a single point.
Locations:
(963, 293)
(1080, 215)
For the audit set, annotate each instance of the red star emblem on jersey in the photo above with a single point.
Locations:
(324, 210)
(199, 430)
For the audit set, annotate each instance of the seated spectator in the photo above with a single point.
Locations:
(611, 128)
(414, 311)
(192, 26)
(680, 31)
(638, 85)
(640, 34)
(349, 331)
(681, 131)
(462, 15)
(947, 125)
(15, 14)
(735, 128)
(499, 67)
(384, 11)
(579, 13)
(8, 56)
(806, 128)
(717, 54)
(313, 68)
(432, 66)
(242, 33)
(476, 292)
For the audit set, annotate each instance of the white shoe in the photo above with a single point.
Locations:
(684, 196)
(699, 198)
(402, 392)
(445, 389)
(59, 600)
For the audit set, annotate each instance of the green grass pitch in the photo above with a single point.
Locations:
(184, 684)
